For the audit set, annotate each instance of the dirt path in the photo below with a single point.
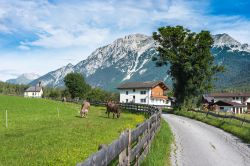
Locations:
(199, 144)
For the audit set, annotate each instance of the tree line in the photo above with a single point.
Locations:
(75, 88)
(12, 89)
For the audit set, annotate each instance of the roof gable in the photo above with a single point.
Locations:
(34, 89)
(141, 85)
(228, 103)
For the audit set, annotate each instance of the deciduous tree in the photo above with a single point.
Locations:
(191, 63)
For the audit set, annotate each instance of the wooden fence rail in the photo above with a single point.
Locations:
(133, 145)
(243, 120)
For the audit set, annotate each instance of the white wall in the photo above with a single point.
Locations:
(226, 109)
(139, 96)
(233, 109)
(34, 94)
(248, 100)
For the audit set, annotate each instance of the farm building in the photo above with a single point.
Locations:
(152, 93)
(227, 106)
(34, 91)
(236, 102)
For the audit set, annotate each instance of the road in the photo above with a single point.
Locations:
(199, 144)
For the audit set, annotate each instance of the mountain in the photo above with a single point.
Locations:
(235, 57)
(24, 78)
(129, 59)
(54, 78)
(224, 40)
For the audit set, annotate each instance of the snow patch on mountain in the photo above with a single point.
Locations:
(129, 59)
(55, 78)
(224, 40)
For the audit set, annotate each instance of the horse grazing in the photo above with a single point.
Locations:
(85, 109)
(114, 108)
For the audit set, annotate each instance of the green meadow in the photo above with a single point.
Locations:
(46, 132)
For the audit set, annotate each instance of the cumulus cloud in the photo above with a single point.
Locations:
(81, 26)
(64, 24)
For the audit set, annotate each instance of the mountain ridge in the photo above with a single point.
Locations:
(129, 59)
(25, 78)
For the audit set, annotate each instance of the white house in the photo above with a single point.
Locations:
(34, 91)
(152, 93)
(234, 102)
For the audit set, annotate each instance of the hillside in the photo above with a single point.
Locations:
(129, 59)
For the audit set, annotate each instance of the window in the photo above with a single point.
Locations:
(221, 108)
(133, 99)
(237, 98)
(126, 100)
(143, 92)
(126, 92)
(143, 100)
(133, 90)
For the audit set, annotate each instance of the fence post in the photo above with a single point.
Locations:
(129, 147)
(6, 118)
(137, 155)
(207, 113)
(243, 122)
(122, 155)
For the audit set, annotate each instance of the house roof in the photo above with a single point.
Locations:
(229, 103)
(140, 85)
(227, 94)
(34, 89)
(208, 98)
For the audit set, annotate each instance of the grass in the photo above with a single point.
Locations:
(159, 154)
(232, 126)
(37, 136)
(246, 116)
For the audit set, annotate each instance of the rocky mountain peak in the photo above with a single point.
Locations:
(225, 39)
(129, 59)
(24, 78)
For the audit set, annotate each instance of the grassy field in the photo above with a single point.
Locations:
(234, 127)
(36, 135)
(246, 116)
(159, 154)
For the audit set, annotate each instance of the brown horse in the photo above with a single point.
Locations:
(114, 108)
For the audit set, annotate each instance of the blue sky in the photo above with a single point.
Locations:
(42, 35)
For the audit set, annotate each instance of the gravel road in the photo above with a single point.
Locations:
(199, 144)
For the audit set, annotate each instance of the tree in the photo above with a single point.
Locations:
(76, 85)
(191, 63)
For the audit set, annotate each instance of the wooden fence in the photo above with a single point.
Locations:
(133, 145)
(218, 115)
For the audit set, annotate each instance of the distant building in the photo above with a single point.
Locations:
(152, 93)
(34, 91)
(234, 102)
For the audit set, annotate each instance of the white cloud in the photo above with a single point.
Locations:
(23, 47)
(66, 32)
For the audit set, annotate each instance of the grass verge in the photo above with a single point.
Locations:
(160, 150)
(232, 126)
